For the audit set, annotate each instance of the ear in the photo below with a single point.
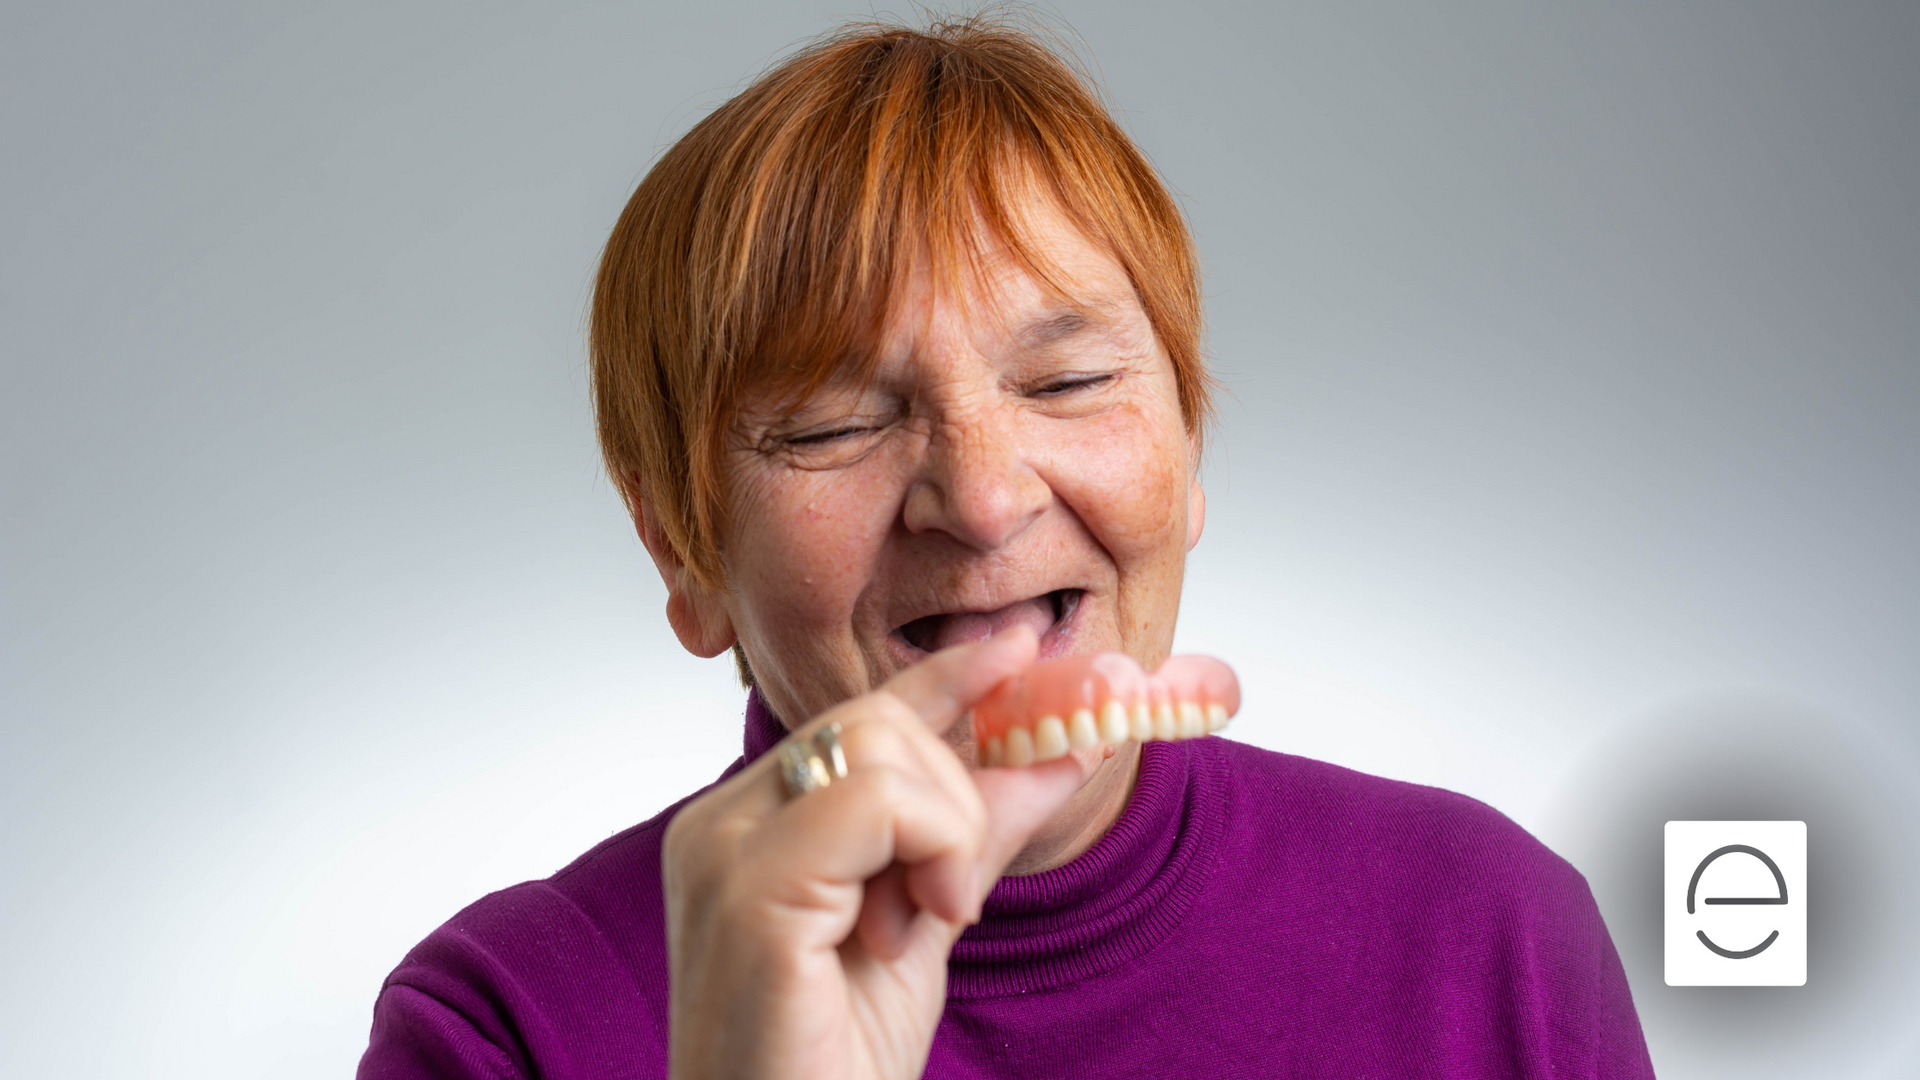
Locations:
(1196, 504)
(697, 612)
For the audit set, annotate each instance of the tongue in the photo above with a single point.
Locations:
(979, 626)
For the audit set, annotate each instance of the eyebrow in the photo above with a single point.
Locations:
(1052, 328)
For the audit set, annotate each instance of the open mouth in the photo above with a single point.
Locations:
(1045, 613)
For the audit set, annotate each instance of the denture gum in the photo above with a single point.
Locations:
(1079, 702)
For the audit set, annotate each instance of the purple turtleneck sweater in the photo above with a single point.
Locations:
(1250, 914)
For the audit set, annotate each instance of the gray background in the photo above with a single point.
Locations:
(1571, 462)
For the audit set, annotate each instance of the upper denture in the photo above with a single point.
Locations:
(1080, 701)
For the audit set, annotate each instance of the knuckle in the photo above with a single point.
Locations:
(872, 743)
(885, 784)
(699, 838)
(678, 838)
(902, 713)
(885, 705)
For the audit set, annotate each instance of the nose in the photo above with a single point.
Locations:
(977, 485)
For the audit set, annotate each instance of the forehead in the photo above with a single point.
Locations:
(1017, 273)
(1049, 283)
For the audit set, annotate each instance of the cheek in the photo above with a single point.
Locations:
(805, 543)
(1127, 478)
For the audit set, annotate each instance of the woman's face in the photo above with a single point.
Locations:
(1018, 457)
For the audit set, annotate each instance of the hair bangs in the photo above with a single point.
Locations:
(928, 168)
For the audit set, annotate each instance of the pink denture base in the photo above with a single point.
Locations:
(1079, 701)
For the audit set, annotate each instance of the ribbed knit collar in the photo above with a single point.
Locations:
(1119, 899)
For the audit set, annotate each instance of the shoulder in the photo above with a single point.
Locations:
(1423, 903)
(615, 883)
(529, 974)
(1401, 836)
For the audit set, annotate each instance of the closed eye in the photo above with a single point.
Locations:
(815, 438)
(1069, 384)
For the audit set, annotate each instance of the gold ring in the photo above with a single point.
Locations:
(812, 763)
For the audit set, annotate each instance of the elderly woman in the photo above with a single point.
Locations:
(897, 364)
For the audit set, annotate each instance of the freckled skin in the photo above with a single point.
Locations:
(1011, 443)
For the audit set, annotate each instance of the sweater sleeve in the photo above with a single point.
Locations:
(418, 1037)
(1619, 1047)
(1565, 1008)
(529, 982)
(1469, 947)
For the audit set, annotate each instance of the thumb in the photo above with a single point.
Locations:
(944, 686)
(1019, 802)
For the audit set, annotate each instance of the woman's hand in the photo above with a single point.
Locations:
(809, 936)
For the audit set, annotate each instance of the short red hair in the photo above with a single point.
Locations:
(762, 250)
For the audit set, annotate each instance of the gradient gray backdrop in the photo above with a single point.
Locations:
(1572, 462)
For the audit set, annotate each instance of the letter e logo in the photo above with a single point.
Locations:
(1736, 903)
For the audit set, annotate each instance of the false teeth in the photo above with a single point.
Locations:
(1140, 723)
(1049, 739)
(1081, 702)
(1164, 727)
(1080, 730)
(1019, 747)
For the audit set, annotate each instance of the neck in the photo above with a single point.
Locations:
(1086, 817)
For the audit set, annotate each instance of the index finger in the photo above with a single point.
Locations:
(944, 686)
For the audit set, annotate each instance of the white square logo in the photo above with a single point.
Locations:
(1736, 903)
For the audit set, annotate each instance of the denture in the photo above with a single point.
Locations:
(1104, 699)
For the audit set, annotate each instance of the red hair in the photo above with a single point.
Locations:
(761, 252)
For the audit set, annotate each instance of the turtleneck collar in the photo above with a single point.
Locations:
(1119, 899)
